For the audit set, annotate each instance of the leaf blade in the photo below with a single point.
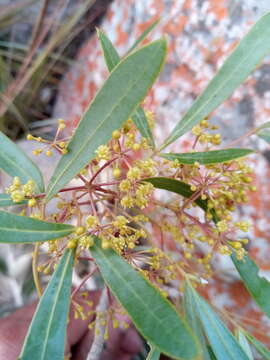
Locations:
(258, 287)
(243, 60)
(223, 343)
(109, 110)
(112, 59)
(176, 186)
(15, 162)
(208, 157)
(180, 188)
(46, 335)
(194, 323)
(23, 229)
(145, 306)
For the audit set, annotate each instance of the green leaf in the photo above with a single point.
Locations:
(112, 59)
(140, 120)
(46, 335)
(244, 343)
(181, 188)
(257, 286)
(177, 187)
(223, 343)
(5, 200)
(23, 229)
(15, 162)
(110, 54)
(153, 354)
(152, 314)
(208, 157)
(144, 34)
(244, 59)
(261, 348)
(194, 322)
(123, 91)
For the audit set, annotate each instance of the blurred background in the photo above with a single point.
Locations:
(51, 65)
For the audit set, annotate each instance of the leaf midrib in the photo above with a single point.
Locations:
(227, 80)
(205, 311)
(149, 310)
(59, 288)
(34, 231)
(98, 127)
(208, 156)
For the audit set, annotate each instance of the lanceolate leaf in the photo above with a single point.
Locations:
(23, 229)
(152, 314)
(15, 162)
(223, 343)
(112, 59)
(45, 339)
(140, 120)
(5, 200)
(144, 34)
(110, 53)
(123, 91)
(261, 348)
(194, 322)
(258, 287)
(244, 59)
(208, 157)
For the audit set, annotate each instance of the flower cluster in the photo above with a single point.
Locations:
(115, 202)
(59, 145)
(19, 192)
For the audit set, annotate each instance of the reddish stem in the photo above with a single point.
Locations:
(87, 277)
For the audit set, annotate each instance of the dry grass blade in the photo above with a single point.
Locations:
(30, 67)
